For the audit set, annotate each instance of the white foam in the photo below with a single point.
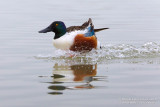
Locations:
(108, 51)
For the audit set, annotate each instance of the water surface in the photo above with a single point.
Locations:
(125, 72)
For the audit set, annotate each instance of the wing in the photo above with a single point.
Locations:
(90, 29)
(82, 27)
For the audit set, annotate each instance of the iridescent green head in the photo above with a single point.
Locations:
(58, 27)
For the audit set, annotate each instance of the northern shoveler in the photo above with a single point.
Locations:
(75, 38)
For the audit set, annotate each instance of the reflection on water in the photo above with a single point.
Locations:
(80, 73)
(73, 77)
(67, 76)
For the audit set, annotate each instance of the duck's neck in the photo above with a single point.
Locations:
(58, 34)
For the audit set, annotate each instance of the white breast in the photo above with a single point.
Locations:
(63, 43)
(67, 40)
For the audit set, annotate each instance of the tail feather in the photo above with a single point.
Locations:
(97, 30)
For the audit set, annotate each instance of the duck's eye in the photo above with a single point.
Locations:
(56, 24)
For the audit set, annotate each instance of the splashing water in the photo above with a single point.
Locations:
(108, 52)
(149, 49)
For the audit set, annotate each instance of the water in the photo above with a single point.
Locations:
(125, 72)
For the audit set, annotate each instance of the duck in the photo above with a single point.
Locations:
(74, 38)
